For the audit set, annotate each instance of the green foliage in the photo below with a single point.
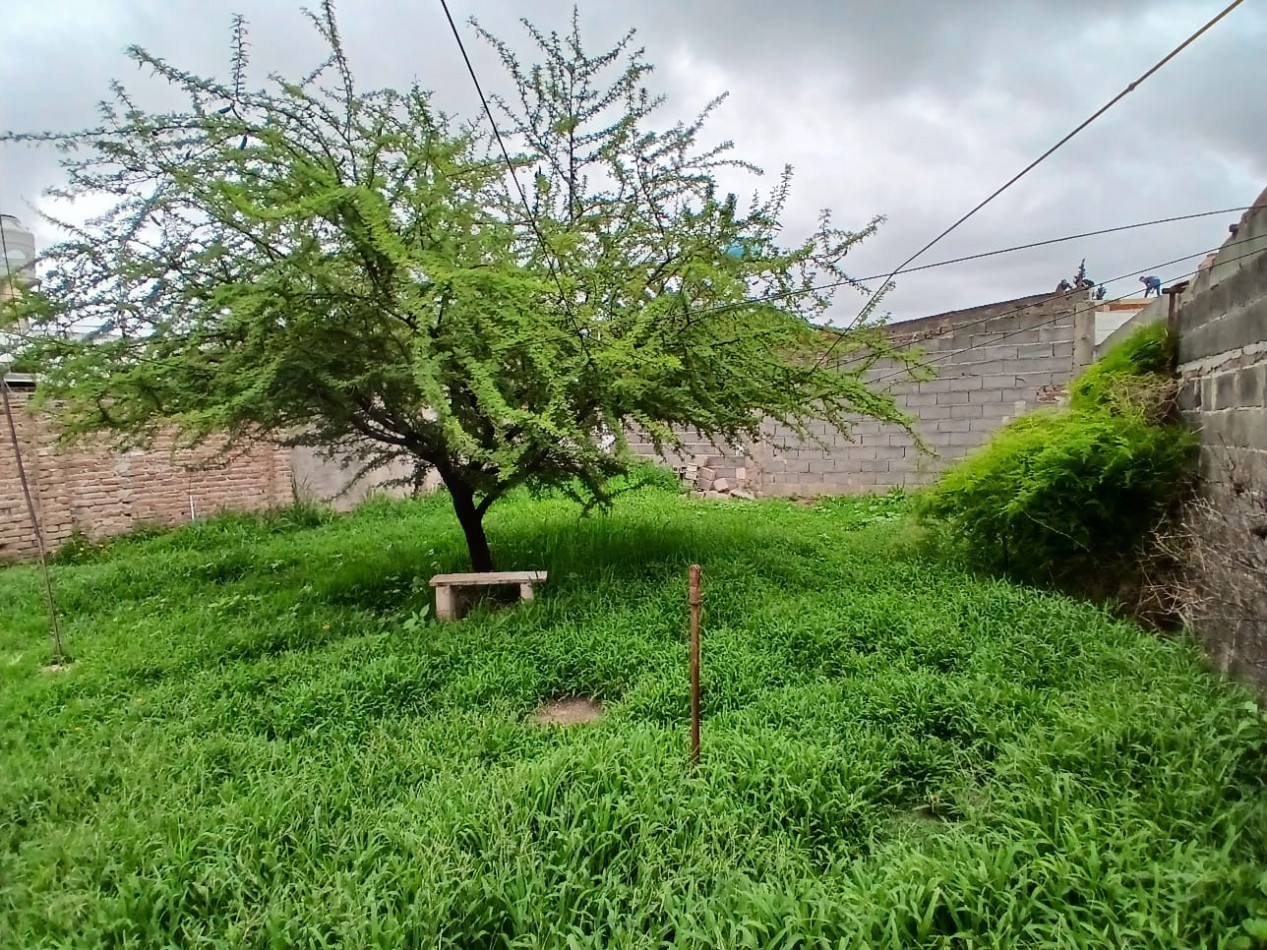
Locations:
(856, 511)
(266, 742)
(76, 549)
(646, 474)
(317, 264)
(1068, 495)
(1146, 354)
(1057, 494)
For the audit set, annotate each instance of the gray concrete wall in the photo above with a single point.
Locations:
(1222, 324)
(1155, 312)
(993, 362)
(333, 482)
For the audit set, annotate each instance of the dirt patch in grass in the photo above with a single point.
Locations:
(569, 711)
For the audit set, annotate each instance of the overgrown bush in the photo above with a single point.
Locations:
(1068, 495)
(78, 548)
(1143, 360)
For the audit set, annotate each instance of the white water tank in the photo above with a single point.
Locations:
(17, 262)
(18, 247)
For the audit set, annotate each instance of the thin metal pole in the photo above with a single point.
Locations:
(694, 600)
(59, 650)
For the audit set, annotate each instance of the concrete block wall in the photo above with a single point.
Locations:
(331, 480)
(993, 363)
(101, 492)
(723, 461)
(1222, 326)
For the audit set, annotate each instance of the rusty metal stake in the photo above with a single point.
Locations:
(59, 649)
(694, 600)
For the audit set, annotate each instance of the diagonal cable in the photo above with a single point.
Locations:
(1047, 154)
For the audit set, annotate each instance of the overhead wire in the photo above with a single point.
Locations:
(737, 305)
(854, 281)
(1067, 237)
(1062, 142)
(514, 176)
(1046, 298)
(1002, 336)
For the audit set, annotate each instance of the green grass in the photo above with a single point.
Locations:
(259, 745)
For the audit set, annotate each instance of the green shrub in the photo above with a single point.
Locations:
(1068, 495)
(78, 548)
(1142, 360)
(647, 474)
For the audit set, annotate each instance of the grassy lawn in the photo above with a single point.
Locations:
(264, 742)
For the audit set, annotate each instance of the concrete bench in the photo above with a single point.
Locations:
(447, 585)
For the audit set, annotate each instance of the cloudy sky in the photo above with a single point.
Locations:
(911, 109)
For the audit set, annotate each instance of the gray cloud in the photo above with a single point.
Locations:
(915, 109)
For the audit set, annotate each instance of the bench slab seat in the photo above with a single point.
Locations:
(446, 586)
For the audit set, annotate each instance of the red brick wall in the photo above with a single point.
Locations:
(101, 492)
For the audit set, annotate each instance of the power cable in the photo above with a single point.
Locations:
(1047, 154)
(510, 165)
(852, 281)
(1059, 316)
(1047, 297)
(1068, 237)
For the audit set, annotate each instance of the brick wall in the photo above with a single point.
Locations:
(993, 363)
(101, 492)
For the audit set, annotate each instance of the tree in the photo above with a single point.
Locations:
(315, 264)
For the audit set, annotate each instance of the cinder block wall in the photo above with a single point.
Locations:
(1222, 324)
(101, 492)
(993, 363)
(721, 460)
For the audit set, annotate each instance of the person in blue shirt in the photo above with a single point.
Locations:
(1152, 285)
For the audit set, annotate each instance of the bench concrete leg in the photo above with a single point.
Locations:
(446, 605)
(525, 592)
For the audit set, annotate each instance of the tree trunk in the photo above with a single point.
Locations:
(472, 521)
